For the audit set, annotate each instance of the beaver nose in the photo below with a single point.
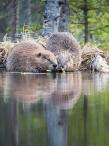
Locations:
(54, 66)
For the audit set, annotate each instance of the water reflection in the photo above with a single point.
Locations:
(65, 95)
(29, 88)
(40, 109)
(94, 82)
(22, 95)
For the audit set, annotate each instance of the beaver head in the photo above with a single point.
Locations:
(30, 57)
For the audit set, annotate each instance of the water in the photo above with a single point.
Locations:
(54, 110)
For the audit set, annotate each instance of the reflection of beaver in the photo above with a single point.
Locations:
(67, 50)
(66, 92)
(61, 91)
(64, 97)
(29, 88)
(58, 94)
(30, 57)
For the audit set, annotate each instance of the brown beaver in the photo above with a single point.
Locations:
(30, 57)
(67, 50)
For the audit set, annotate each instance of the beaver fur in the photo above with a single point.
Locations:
(30, 57)
(67, 50)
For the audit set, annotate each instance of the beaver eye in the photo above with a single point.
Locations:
(46, 57)
(39, 55)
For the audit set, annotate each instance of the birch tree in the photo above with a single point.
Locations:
(55, 16)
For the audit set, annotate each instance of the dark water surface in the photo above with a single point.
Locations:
(54, 110)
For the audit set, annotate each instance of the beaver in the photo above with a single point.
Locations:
(29, 88)
(30, 57)
(67, 50)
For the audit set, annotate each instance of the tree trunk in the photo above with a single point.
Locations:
(86, 32)
(55, 16)
(23, 12)
(12, 17)
(64, 19)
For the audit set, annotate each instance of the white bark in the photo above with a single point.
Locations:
(64, 21)
(55, 16)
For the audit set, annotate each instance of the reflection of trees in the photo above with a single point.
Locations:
(89, 121)
(2, 83)
(85, 106)
(24, 118)
(19, 127)
(23, 122)
(24, 96)
(8, 123)
(94, 82)
(65, 95)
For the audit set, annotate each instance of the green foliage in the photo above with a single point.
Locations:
(97, 15)
(37, 7)
(34, 27)
(98, 18)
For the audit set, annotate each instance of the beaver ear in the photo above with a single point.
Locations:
(39, 55)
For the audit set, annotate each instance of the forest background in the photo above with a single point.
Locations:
(88, 20)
